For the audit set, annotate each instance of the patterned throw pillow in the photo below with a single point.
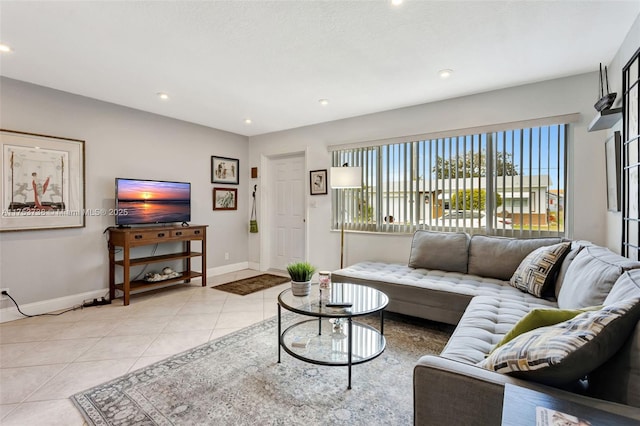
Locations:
(565, 352)
(537, 271)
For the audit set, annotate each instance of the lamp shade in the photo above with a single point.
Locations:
(346, 177)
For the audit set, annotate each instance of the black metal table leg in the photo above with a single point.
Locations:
(279, 330)
(350, 351)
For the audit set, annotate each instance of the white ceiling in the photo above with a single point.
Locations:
(271, 61)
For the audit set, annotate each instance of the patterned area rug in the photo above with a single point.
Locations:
(253, 284)
(236, 380)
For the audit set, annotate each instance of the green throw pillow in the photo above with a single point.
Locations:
(541, 318)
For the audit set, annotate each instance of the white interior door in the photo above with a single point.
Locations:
(287, 209)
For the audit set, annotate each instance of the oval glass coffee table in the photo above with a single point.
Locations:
(332, 337)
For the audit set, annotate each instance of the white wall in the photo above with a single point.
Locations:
(630, 45)
(119, 142)
(586, 169)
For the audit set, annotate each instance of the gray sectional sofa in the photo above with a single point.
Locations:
(465, 280)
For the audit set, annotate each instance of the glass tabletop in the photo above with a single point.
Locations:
(365, 300)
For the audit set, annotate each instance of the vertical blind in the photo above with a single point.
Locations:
(503, 182)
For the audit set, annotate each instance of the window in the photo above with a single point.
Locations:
(501, 182)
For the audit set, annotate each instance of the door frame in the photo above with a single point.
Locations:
(266, 164)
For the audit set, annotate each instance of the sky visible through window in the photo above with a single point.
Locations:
(536, 151)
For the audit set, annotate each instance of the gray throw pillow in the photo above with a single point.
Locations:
(591, 276)
(499, 257)
(576, 246)
(444, 251)
(565, 352)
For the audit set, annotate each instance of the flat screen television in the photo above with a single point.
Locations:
(152, 201)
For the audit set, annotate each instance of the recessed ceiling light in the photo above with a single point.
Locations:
(324, 102)
(5, 48)
(163, 96)
(396, 2)
(445, 73)
(247, 121)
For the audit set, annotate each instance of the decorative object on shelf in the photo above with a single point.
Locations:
(253, 222)
(318, 182)
(343, 178)
(605, 101)
(225, 170)
(612, 154)
(225, 199)
(301, 273)
(167, 274)
(43, 182)
(324, 285)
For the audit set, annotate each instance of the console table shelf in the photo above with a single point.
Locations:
(128, 238)
(160, 258)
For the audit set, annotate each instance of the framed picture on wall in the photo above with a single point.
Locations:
(318, 182)
(225, 170)
(225, 199)
(612, 155)
(42, 182)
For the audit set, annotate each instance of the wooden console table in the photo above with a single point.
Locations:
(128, 238)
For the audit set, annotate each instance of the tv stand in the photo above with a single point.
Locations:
(128, 238)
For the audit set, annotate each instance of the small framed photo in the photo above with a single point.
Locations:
(318, 182)
(225, 170)
(225, 199)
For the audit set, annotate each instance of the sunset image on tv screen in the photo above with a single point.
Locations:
(142, 201)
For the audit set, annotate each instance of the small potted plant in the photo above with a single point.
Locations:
(300, 273)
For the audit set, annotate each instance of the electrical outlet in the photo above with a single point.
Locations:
(2, 296)
(226, 256)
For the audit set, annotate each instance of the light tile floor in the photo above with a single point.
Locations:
(46, 359)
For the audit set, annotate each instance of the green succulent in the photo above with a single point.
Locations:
(301, 271)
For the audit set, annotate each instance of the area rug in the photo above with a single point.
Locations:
(236, 380)
(253, 284)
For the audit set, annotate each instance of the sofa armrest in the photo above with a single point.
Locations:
(454, 393)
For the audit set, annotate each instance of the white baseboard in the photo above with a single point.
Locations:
(220, 270)
(51, 305)
(254, 265)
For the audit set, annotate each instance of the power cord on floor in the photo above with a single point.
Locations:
(75, 308)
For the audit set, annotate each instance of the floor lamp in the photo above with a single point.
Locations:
(343, 178)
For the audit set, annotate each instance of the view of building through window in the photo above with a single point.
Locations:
(503, 183)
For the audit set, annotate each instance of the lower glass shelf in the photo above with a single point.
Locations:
(328, 345)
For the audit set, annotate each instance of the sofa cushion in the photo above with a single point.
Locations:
(565, 352)
(576, 246)
(444, 251)
(486, 320)
(432, 294)
(541, 318)
(591, 276)
(537, 271)
(499, 257)
(618, 379)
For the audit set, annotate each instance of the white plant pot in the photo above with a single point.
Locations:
(300, 288)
